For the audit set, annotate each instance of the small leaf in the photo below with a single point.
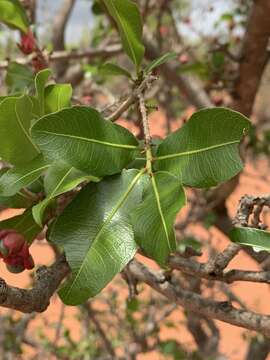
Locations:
(189, 242)
(204, 152)
(80, 137)
(40, 82)
(13, 15)
(57, 97)
(23, 224)
(153, 220)
(258, 239)
(159, 61)
(113, 70)
(16, 178)
(59, 179)
(18, 77)
(96, 234)
(128, 19)
(16, 144)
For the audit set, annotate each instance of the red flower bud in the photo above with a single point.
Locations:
(28, 43)
(38, 63)
(13, 242)
(29, 263)
(15, 251)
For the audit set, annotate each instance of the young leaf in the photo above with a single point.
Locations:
(18, 77)
(96, 234)
(258, 239)
(16, 145)
(23, 224)
(12, 14)
(113, 69)
(59, 179)
(57, 97)
(154, 218)
(80, 137)
(204, 152)
(128, 19)
(40, 83)
(159, 61)
(16, 178)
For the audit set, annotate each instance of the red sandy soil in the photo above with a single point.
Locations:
(254, 180)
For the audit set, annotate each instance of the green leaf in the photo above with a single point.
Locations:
(18, 77)
(204, 152)
(80, 137)
(16, 145)
(24, 224)
(18, 201)
(57, 97)
(59, 179)
(159, 61)
(128, 19)
(113, 70)
(258, 239)
(153, 219)
(12, 14)
(189, 242)
(97, 235)
(16, 178)
(40, 82)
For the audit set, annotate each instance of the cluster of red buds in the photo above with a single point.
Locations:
(29, 46)
(14, 250)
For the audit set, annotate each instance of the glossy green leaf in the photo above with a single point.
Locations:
(13, 14)
(41, 80)
(81, 137)
(159, 61)
(59, 179)
(16, 178)
(128, 19)
(18, 77)
(113, 70)
(96, 234)
(24, 224)
(153, 220)
(258, 239)
(204, 152)
(16, 144)
(57, 97)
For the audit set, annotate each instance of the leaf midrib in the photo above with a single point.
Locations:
(103, 226)
(52, 193)
(29, 174)
(105, 143)
(160, 210)
(24, 130)
(197, 151)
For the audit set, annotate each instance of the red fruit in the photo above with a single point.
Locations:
(15, 251)
(29, 263)
(14, 242)
(28, 43)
